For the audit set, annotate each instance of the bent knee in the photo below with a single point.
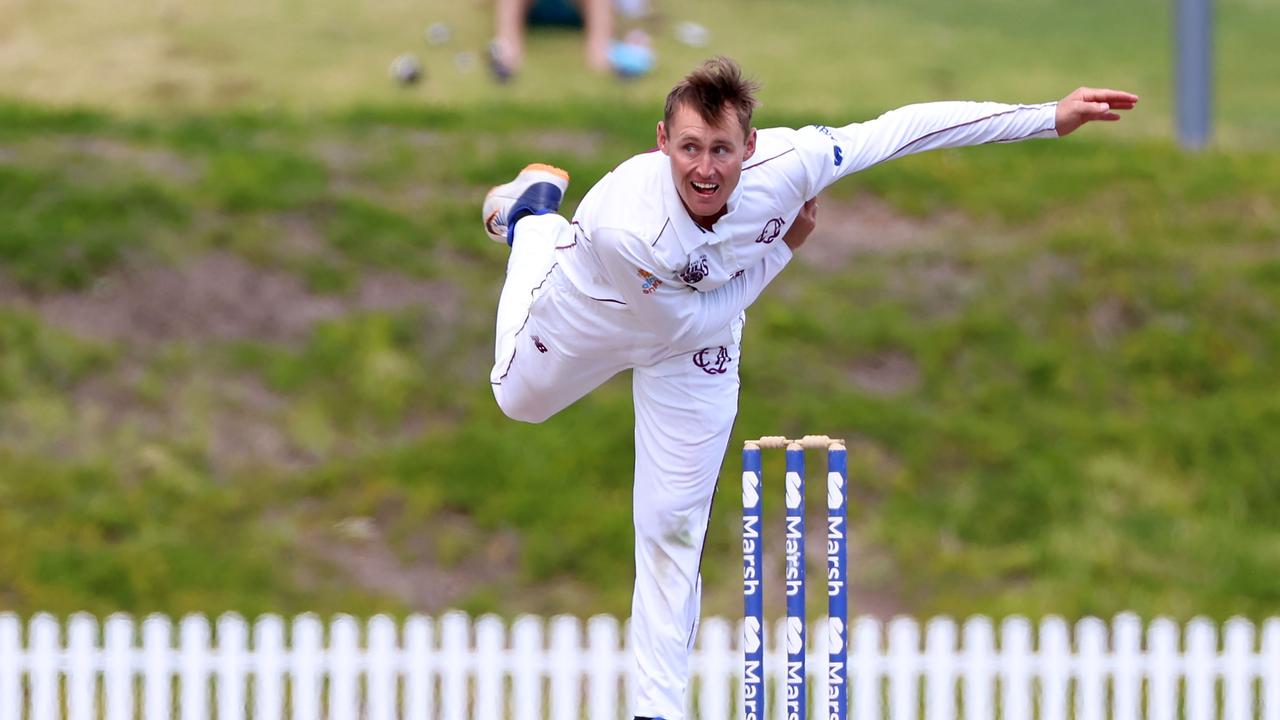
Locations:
(520, 409)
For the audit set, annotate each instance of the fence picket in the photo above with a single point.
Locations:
(1055, 668)
(1202, 647)
(1091, 690)
(82, 679)
(308, 639)
(118, 673)
(1127, 678)
(42, 669)
(455, 631)
(10, 664)
(940, 673)
(1015, 664)
(978, 659)
(383, 698)
(193, 668)
(864, 671)
(775, 663)
(566, 690)
(1270, 659)
(419, 681)
(490, 641)
(904, 653)
(46, 680)
(602, 631)
(268, 677)
(344, 667)
(526, 639)
(1238, 675)
(230, 669)
(157, 668)
(819, 653)
(1162, 639)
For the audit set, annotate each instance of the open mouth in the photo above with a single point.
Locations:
(704, 189)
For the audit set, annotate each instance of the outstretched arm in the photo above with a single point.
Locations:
(832, 153)
(1086, 104)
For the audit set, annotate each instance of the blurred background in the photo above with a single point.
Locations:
(246, 310)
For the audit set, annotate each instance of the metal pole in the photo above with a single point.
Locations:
(1194, 72)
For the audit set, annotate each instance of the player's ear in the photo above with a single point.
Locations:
(662, 137)
(751, 145)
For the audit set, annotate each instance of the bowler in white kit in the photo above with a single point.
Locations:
(654, 274)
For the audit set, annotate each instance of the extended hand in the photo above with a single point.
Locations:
(802, 225)
(1089, 104)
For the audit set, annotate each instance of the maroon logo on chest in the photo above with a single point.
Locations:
(770, 231)
(713, 361)
(695, 271)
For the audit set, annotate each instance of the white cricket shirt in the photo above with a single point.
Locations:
(637, 248)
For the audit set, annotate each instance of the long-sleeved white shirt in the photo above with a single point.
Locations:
(637, 247)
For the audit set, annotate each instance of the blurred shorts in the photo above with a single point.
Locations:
(554, 12)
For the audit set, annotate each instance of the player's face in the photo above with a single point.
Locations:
(706, 159)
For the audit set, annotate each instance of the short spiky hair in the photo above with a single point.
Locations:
(709, 88)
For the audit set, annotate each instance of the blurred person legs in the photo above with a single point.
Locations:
(512, 17)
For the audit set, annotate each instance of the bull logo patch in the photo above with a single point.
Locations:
(770, 231)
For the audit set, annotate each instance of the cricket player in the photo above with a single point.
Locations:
(653, 275)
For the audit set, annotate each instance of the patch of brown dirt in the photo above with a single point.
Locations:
(218, 296)
(1112, 319)
(583, 144)
(427, 575)
(166, 164)
(885, 374)
(869, 225)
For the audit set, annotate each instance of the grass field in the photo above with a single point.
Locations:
(245, 317)
(834, 58)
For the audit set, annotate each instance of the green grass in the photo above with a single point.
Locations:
(1087, 429)
(1088, 326)
(831, 58)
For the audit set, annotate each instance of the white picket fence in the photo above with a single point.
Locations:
(455, 667)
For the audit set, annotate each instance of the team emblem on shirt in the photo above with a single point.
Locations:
(712, 364)
(770, 231)
(651, 283)
(695, 271)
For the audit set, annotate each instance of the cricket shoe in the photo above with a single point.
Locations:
(537, 190)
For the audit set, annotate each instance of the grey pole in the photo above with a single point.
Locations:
(1194, 72)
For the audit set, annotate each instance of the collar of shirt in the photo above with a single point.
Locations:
(690, 234)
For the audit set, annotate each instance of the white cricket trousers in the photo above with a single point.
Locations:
(554, 345)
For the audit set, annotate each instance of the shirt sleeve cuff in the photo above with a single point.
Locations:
(784, 252)
(1048, 120)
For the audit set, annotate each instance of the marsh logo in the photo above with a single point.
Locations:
(751, 635)
(795, 635)
(835, 635)
(794, 496)
(750, 490)
(835, 491)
